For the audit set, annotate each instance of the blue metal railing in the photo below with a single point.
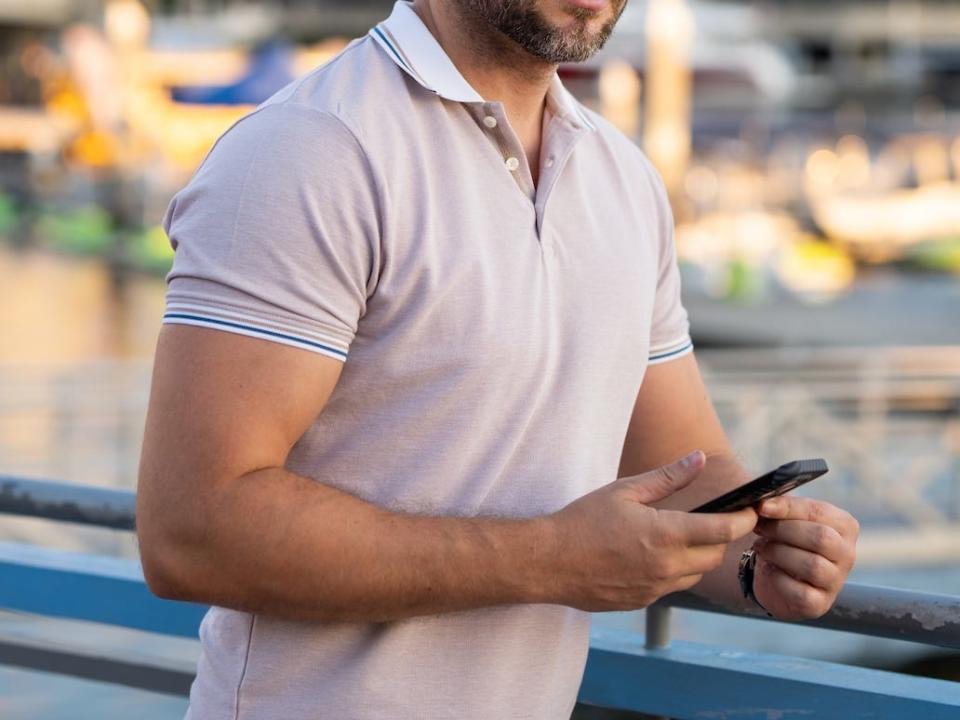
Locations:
(624, 671)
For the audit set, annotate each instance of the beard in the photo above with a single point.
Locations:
(522, 22)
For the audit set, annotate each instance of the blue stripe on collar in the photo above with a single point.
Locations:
(412, 46)
(397, 57)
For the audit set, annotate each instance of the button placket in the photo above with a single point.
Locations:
(490, 116)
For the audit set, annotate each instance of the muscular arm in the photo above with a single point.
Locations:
(673, 415)
(220, 521)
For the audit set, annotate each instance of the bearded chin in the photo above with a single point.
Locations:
(522, 22)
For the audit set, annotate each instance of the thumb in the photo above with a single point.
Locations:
(665, 481)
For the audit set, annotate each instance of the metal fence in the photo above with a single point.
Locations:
(624, 671)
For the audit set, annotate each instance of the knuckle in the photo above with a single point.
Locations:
(663, 535)
(818, 568)
(664, 568)
(854, 526)
(813, 603)
(823, 537)
(728, 533)
(817, 607)
(804, 599)
(817, 511)
(671, 568)
(667, 473)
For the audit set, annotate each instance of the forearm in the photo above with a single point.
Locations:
(281, 544)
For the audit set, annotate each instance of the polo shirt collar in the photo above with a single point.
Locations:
(411, 45)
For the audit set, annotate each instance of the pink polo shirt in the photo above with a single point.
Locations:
(494, 335)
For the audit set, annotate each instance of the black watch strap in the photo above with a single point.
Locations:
(745, 572)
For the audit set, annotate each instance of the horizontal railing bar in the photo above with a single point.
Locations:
(88, 665)
(928, 618)
(103, 507)
(74, 586)
(689, 680)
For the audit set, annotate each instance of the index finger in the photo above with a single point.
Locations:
(711, 528)
(791, 507)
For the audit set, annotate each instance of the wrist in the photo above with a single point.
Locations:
(537, 558)
(503, 562)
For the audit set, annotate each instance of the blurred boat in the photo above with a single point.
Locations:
(879, 206)
(883, 226)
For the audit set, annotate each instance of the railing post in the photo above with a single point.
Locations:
(658, 632)
(658, 627)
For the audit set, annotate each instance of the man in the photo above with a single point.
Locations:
(417, 530)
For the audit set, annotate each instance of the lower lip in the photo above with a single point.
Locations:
(588, 4)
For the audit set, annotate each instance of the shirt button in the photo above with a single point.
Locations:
(512, 163)
(549, 162)
(490, 121)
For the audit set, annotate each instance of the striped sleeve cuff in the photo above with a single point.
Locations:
(662, 352)
(252, 326)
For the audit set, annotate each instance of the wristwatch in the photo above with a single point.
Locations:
(745, 570)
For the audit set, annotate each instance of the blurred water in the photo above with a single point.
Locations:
(64, 310)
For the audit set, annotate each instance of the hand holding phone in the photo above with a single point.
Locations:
(776, 482)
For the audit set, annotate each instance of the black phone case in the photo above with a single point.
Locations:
(776, 482)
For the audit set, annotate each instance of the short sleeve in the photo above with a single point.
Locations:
(277, 234)
(670, 328)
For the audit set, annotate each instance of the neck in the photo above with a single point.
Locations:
(494, 65)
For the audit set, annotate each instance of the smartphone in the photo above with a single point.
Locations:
(776, 482)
